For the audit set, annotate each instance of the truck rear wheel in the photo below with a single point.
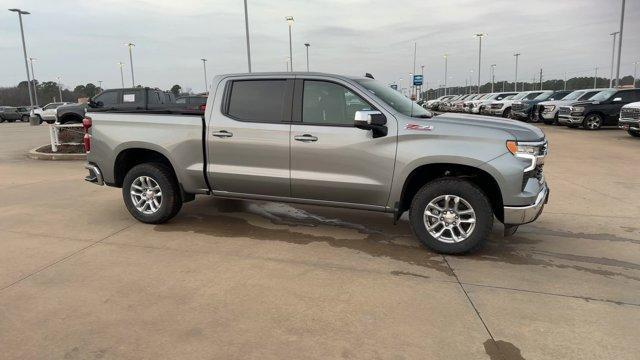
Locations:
(451, 216)
(634, 133)
(151, 193)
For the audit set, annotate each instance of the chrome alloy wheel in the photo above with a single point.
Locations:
(146, 195)
(593, 122)
(449, 218)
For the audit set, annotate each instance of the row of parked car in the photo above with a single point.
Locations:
(132, 99)
(588, 108)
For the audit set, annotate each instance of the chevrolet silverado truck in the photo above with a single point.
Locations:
(330, 140)
(630, 119)
(602, 109)
(548, 110)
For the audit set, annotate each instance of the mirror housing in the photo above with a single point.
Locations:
(371, 120)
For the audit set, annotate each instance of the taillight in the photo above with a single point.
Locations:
(86, 140)
(202, 107)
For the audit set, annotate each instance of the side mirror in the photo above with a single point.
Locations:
(617, 99)
(371, 120)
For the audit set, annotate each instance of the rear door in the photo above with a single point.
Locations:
(331, 160)
(249, 136)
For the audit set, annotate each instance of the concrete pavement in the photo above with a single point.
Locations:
(80, 279)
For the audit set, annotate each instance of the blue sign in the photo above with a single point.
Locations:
(417, 80)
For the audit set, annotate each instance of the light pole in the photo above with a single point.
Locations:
(290, 23)
(595, 77)
(204, 67)
(517, 55)
(540, 78)
(613, 55)
(479, 36)
(620, 44)
(635, 72)
(24, 51)
(133, 80)
(59, 88)
(121, 65)
(470, 79)
(100, 84)
(445, 73)
(35, 84)
(493, 75)
(246, 31)
(306, 45)
(422, 74)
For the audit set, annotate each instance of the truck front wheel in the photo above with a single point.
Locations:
(151, 193)
(451, 216)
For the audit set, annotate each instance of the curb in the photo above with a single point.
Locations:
(33, 154)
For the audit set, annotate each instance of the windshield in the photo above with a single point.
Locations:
(603, 95)
(394, 99)
(543, 96)
(587, 95)
(574, 95)
(519, 96)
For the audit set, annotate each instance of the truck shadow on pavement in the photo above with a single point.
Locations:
(376, 236)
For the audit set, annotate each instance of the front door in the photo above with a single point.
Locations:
(331, 159)
(249, 137)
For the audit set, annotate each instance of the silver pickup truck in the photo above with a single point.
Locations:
(329, 140)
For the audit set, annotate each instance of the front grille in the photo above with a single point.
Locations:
(564, 110)
(496, 106)
(630, 113)
(536, 173)
(517, 107)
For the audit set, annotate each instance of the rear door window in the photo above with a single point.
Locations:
(108, 98)
(257, 100)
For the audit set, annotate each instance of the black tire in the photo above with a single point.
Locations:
(592, 122)
(463, 189)
(634, 133)
(506, 113)
(24, 118)
(556, 121)
(171, 201)
(1, 120)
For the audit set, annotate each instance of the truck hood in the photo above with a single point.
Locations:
(77, 107)
(519, 130)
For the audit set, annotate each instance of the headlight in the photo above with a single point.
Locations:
(549, 108)
(577, 109)
(532, 153)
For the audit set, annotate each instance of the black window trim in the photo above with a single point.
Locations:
(288, 99)
(299, 97)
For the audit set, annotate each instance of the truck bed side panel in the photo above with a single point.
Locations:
(177, 137)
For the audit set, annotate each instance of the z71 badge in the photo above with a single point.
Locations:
(418, 127)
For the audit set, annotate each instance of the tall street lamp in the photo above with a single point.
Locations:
(306, 45)
(246, 32)
(479, 36)
(133, 79)
(595, 77)
(516, 55)
(290, 23)
(620, 44)
(204, 67)
(59, 88)
(493, 75)
(24, 51)
(635, 72)
(445, 73)
(100, 84)
(35, 84)
(613, 55)
(121, 65)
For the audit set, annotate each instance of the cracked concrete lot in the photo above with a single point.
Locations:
(229, 279)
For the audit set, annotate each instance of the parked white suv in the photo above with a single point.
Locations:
(630, 119)
(47, 113)
(503, 108)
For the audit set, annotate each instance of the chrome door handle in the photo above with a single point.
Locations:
(305, 138)
(222, 134)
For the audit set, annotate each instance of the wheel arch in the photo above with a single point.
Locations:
(425, 173)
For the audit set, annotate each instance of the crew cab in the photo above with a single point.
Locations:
(128, 99)
(630, 119)
(603, 109)
(329, 140)
(47, 113)
(525, 109)
(483, 106)
(548, 110)
(9, 114)
(503, 107)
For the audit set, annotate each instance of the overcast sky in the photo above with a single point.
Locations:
(84, 40)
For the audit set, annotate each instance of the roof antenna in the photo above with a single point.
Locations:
(369, 76)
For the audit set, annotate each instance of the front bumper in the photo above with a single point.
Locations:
(549, 115)
(95, 175)
(517, 215)
(569, 120)
(496, 112)
(627, 124)
(520, 114)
